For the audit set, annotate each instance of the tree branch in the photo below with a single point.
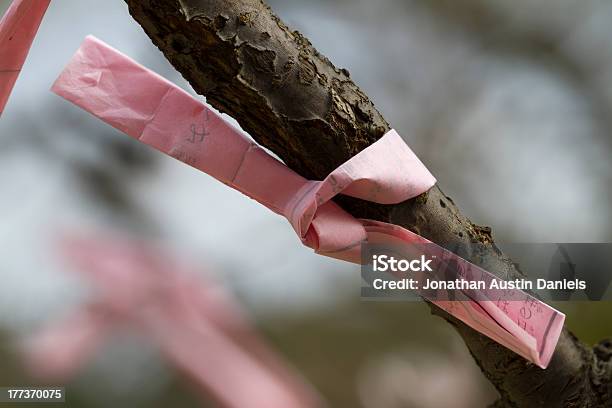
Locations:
(293, 100)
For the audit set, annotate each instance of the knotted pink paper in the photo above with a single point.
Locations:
(147, 107)
(193, 321)
(17, 30)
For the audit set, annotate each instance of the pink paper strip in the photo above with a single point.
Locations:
(147, 107)
(193, 321)
(17, 30)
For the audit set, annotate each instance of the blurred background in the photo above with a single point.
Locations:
(508, 103)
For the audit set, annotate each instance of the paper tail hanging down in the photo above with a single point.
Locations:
(149, 108)
(17, 30)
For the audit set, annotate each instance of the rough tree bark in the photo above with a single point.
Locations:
(293, 100)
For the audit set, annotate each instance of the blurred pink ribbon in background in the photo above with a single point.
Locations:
(18, 28)
(193, 321)
(149, 108)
